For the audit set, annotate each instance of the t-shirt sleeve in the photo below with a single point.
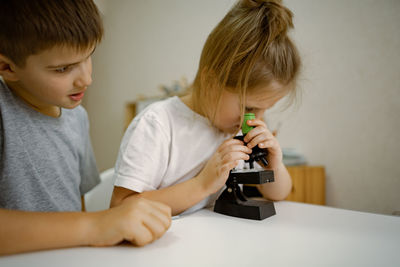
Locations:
(88, 168)
(144, 153)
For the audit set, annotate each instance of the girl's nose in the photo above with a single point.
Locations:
(259, 114)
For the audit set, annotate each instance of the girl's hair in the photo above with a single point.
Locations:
(31, 26)
(248, 49)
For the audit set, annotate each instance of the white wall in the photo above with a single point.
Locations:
(348, 120)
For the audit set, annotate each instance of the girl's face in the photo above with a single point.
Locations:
(228, 115)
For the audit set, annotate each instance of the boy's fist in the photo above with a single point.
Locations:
(137, 220)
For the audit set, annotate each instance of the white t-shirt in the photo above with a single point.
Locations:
(166, 144)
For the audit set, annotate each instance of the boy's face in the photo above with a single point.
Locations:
(228, 114)
(57, 77)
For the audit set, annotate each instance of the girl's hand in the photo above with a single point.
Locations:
(216, 172)
(263, 137)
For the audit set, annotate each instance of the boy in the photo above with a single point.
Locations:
(47, 162)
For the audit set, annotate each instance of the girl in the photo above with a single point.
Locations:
(179, 151)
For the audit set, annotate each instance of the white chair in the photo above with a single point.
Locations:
(99, 197)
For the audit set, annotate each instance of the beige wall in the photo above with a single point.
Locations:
(348, 120)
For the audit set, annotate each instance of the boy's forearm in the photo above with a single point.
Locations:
(179, 197)
(22, 231)
(280, 188)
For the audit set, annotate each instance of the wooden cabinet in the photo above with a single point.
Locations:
(308, 184)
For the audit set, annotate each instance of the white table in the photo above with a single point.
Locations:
(298, 235)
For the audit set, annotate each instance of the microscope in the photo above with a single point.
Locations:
(233, 201)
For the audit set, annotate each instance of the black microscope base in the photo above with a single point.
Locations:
(250, 209)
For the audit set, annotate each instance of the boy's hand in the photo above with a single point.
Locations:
(138, 220)
(216, 172)
(263, 137)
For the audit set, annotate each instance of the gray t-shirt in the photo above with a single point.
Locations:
(46, 163)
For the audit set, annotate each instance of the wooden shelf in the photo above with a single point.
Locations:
(308, 184)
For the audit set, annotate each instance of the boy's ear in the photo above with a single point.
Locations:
(7, 69)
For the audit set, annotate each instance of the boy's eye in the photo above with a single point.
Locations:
(63, 69)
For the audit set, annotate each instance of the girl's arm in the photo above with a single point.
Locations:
(179, 197)
(137, 220)
(261, 136)
(184, 195)
(280, 188)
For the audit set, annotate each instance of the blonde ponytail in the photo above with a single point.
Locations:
(277, 19)
(249, 48)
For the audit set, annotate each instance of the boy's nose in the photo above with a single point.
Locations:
(84, 78)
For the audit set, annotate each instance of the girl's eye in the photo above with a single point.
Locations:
(249, 109)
